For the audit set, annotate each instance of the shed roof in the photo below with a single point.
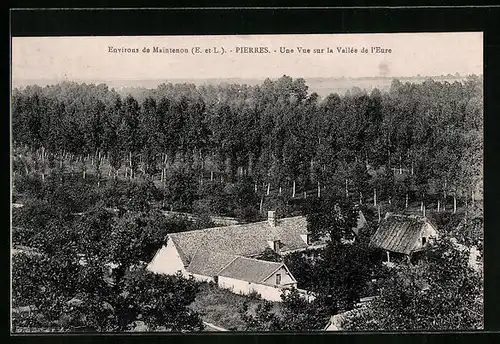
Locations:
(398, 233)
(249, 269)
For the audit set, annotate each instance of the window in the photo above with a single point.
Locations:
(278, 278)
(424, 240)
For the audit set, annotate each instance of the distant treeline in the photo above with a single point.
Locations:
(415, 138)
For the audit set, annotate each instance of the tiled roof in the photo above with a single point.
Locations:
(250, 270)
(398, 234)
(246, 239)
(209, 263)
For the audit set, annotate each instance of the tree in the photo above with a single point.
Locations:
(263, 319)
(302, 269)
(244, 199)
(182, 189)
(343, 271)
(269, 255)
(300, 315)
(296, 315)
(161, 302)
(442, 293)
(331, 216)
(134, 238)
(65, 295)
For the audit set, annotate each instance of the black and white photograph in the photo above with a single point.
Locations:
(247, 183)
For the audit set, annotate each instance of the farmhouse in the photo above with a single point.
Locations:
(402, 235)
(226, 255)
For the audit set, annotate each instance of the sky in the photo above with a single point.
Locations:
(89, 58)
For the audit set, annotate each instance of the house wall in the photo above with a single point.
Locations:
(235, 285)
(428, 231)
(167, 261)
(201, 278)
(266, 292)
(286, 279)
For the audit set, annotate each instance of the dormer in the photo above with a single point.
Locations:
(306, 238)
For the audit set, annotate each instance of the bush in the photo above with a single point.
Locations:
(254, 295)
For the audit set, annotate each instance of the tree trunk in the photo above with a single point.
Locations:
(211, 175)
(305, 194)
(421, 205)
(319, 190)
(454, 204)
(360, 197)
(279, 191)
(255, 187)
(261, 202)
(130, 164)
(379, 215)
(423, 211)
(268, 189)
(293, 190)
(346, 190)
(438, 205)
(374, 197)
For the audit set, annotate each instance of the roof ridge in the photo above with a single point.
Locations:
(206, 230)
(259, 260)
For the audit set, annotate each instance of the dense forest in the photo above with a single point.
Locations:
(416, 142)
(94, 172)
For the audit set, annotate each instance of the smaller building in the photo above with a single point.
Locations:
(403, 236)
(247, 275)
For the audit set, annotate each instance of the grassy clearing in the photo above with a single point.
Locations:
(220, 306)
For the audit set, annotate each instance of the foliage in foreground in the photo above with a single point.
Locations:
(65, 296)
(297, 315)
(441, 293)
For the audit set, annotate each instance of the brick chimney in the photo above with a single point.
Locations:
(271, 218)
